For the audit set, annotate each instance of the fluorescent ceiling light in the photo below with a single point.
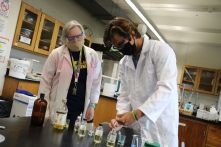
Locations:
(143, 18)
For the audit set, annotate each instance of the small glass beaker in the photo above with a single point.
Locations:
(90, 128)
(98, 134)
(135, 141)
(77, 124)
(111, 138)
(121, 140)
(82, 129)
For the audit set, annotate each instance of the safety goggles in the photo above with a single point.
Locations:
(120, 45)
(76, 37)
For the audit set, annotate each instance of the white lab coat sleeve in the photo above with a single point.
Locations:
(96, 83)
(123, 102)
(164, 61)
(48, 73)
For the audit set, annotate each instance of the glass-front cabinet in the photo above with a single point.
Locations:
(207, 80)
(60, 27)
(36, 31)
(46, 36)
(189, 77)
(203, 80)
(27, 26)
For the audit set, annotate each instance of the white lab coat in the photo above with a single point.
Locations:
(152, 88)
(57, 74)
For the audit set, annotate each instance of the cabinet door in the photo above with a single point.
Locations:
(87, 41)
(214, 136)
(105, 110)
(194, 135)
(218, 83)
(207, 80)
(29, 86)
(58, 34)
(27, 27)
(189, 77)
(46, 37)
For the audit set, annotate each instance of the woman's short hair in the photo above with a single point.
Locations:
(120, 26)
(68, 26)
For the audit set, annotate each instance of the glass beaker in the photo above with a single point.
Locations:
(111, 138)
(98, 134)
(82, 129)
(135, 141)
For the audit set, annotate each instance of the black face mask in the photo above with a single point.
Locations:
(128, 49)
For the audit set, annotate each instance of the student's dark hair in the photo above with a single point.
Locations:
(120, 26)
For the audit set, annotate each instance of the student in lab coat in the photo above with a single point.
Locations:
(72, 72)
(148, 76)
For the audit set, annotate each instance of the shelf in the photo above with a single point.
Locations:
(29, 23)
(47, 30)
(45, 41)
(189, 81)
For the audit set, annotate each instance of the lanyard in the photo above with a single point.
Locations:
(76, 67)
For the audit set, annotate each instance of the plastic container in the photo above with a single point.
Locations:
(18, 68)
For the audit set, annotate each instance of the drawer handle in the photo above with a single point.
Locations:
(182, 124)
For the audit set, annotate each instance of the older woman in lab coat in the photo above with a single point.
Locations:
(57, 75)
(148, 75)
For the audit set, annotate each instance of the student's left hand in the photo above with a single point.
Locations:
(90, 114)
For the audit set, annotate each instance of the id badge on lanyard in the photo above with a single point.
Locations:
(76, 70)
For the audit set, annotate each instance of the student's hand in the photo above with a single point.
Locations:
(90, 113)
(114, 124)
(125, 118)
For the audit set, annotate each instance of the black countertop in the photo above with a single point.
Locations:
(109, 97)
(19, 132)
(202, 120)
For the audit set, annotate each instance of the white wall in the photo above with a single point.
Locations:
(10, 29)
(63, 10)
(198, 55)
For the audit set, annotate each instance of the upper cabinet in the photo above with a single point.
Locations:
(189, 77)
(218, 83)
(37, 31)
(46, 35)
(27, 27)
(207, 80)
(200, 79)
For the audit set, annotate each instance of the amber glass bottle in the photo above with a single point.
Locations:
(39, 109)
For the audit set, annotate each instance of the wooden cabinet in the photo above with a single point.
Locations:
(105, 110)
(36, 31)
(192, 133)
(189, 77)
(207, 80)
(218, 83)
(199, 79)
(88, 41)
(27, 27)
(11, 84)
(214, 136)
